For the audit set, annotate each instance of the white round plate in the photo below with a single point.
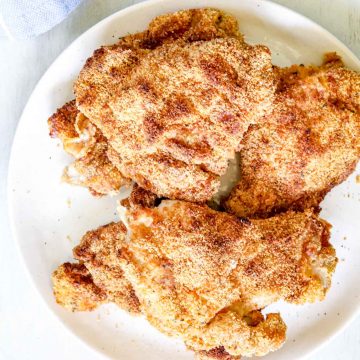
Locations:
(49, 217)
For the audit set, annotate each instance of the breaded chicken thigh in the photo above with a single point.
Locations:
(307, 145)
(174, 101)
(199, 273)
(203, 275)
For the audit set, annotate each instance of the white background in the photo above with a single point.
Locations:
(27, 329)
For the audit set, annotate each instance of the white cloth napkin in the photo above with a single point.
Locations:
(23, 19)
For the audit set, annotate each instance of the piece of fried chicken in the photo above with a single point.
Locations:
(81, 139)
(175, 100)
(199, 273)
(306, 146)
(202, 275)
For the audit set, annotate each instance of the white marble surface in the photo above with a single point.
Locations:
(27, 329)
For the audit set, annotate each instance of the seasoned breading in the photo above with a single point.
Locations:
(230, 330)
(139, 197)
(95, 171)
(74, 288)
(307, 145)
(215, 354)
(175, 110)
(98, 251)
(175, 175)
(198, 272)
(62, 122)
(187, 25)
(84, 141)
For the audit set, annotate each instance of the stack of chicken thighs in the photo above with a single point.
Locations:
(163, 113)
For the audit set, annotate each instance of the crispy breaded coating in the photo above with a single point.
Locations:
(306, 146)
(74, 288)
(81, 139)
(198, 272)
(62, 122)
(218, 353)
(174, 174)
(96, 172)
(231, 331)
(139, 197)
(186, 25)
(98, 250)
(174, 109)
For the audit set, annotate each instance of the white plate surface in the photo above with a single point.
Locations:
(49, 217)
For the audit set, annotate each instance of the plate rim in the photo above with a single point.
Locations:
(11, 166)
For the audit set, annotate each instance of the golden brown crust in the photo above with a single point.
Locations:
(175, 175)
(74, 288)
(231, 331)
(218, 353)
(187, 25)
(139, 197)
(81, 139)
(62, 122)
(76, 133)
(185, 103)
(98, 251)
(309, 144)
(96, 172)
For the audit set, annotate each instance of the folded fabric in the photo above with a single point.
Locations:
(23, 19)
